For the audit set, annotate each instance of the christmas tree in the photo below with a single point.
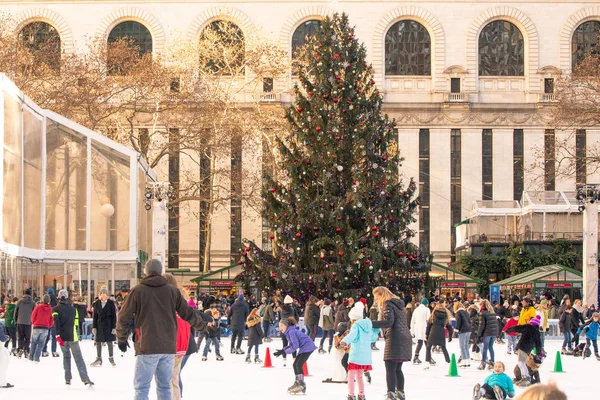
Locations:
(337, 206)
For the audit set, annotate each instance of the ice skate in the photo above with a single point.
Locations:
(204, 358)
(13, 352)
(19, 353)
(68, 382)
(112, 361)
(361, 397)
(432, 362)
(45, 354)
(477, 392)
(284, 362)
(525, 382)
(55, 354)
(8, 386)
(97, 363)
(490, 365)
(321, 351)
(89, 383)
(597, 356)
(566, 352)
(390, 396)
(299, 387)
(248, 361)
(400, 395)
(257, 360)
(498, 392)
(329, 349)
(374, 347)
(350, 397)
(584, 352)
(368, 376)
(416, 360)
(481, 366)
(464, 364)
(232, 351)
(238, 351)
(219, 357)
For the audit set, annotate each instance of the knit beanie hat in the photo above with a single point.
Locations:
(345, 302)
(288, 300)
(327, 302)
(544, 301)
(154, 267)
(364, 301)
(535, 321)
(63, 294)
(241, 296)
(356, 312)
(425, 302)
(515, 313)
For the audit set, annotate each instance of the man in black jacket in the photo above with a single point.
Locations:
(66, 320)
(23, 313)
(236, 319)
(154, 304)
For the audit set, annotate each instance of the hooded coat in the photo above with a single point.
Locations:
(311, 314)
(361, 335)
(9, 316)
(238, 313)
(418, 323)
(341, 315)
(105, 320)
(24, 310)
(474, 319)
(298, 341)
(327, 319)
(435, 329)
(488, 324)
(398, 342)
(255, 332)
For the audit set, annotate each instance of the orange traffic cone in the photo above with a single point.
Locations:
(268, 363)
(305, 370)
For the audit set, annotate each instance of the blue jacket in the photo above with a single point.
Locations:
(503, 381)
(3, 336)
(360, 338)
(591, 330)
(298, 340)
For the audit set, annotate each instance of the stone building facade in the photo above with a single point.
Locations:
(470, 84)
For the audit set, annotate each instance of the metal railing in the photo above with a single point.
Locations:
(543, 236)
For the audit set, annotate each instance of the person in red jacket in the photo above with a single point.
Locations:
(511, 339)
(42, 321)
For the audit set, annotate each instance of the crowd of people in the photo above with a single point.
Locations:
(167, 326)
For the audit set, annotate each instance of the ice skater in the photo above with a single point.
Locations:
(359, 340)
(4, 358)
(298, 341)
(530, 339)
(255, 335)
(591, 335)
(104, 327)
(496, 386)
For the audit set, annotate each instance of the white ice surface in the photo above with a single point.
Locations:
(234, 379)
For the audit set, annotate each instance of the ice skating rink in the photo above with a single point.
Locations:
(234, 379)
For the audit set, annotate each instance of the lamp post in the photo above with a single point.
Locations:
(587, 196)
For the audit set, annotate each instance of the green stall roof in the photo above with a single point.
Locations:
(554, 273)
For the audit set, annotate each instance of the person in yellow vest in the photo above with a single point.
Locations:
(527, 312)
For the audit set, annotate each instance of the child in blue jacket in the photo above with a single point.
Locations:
(591, 334)
(361, 335)
(496, 386)
(3, 359)
(297, 341)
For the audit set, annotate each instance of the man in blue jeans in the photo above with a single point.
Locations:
(153, 305)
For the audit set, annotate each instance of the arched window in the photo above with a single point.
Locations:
(501, 50)
(42, 41)
(301, 33)
(223, 47)
(137, 33)
(407, 49)
(585, 42)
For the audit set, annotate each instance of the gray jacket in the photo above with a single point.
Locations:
(24, 310)
(398, 342)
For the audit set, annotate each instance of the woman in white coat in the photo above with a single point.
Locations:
(418, 326)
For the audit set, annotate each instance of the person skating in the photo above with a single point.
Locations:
(418, 327)
(438, 321)
(398, 342)
(268, 318)
(4, 358)
(530, 339)
(374, 316)
(212, 336)
(473, 311)
(42, 321)
(488, 329)
(255, 335)
(52, 332)
(66, 320)
(300, 342)
(23, 313)
(326, 322)
(10, 326)
(527, 312)
(463, 326)
(311, 317)
(564, 324)
(511, 338)
(287, 310)
(104, 327)
(591, 334)
(496, 386)
(236, 319)
(359, 358)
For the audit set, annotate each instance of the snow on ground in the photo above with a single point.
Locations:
(234, 379)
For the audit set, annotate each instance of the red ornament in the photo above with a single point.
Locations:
(376, 234)
(338, 77)
(400, 254)
(315, 228)
(245, 253)
(340, 253)
(300, 109)
(318, 128)
(310, 93)
(338, 230)
(350, 37)
(335, 99)
(367, 261)
(374, 228)
(271, 236)
(298, 235)
(240, 262)
(272, 190)
(336, 56)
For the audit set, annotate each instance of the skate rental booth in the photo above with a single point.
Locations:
(73, 210)
(449, 281)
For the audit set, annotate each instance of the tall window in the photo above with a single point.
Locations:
(518, 164)
(501, 50)
(236, 197)
(455, 182)
(407, 49)
(173, 244)
(42, 41)
(549, 160)
(135, 32)
(302, 32)
(487, 165)
(585, 42)
(580, 157)
(224, 46)
(424, 190)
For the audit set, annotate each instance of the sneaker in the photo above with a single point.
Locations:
(477, 392)
(498, 392)
(219, 357)
(204, 358)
